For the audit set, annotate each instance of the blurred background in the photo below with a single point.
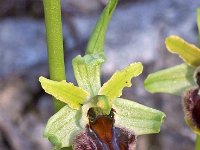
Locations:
(136, 33)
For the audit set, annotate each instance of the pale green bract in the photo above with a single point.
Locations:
(174, 80)
(65, 92)
(96, 42)
(113, 87)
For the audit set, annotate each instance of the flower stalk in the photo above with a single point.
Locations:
(52, 11)
(197, 143)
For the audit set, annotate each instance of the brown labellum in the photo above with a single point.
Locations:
(101, 134)
(192, 106)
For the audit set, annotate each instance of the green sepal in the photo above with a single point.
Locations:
(62, 127)
(96, 42)
(174, 80)
(65, 92)
(87, 71)
(188, 52)
(120, 79)
(136, 117)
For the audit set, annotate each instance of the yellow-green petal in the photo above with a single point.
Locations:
(174, 80)
(137, 118)
(100, 101)
(62, 127)
(120, 79)
(65, 92)
(188, 52)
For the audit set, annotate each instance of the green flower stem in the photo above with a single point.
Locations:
(52, 11)
(198, 24)
(197, 145)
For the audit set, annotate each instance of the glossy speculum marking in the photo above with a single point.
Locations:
(101, 134)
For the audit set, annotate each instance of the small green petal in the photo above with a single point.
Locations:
(100, 101)
(136, 117)
(87, 71)
(188, 52)
(104, 104)
(120, 79)
(65, 92)
(174, 80)
(96, 42)
(62, 127)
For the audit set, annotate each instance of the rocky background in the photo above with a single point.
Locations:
(136, 33)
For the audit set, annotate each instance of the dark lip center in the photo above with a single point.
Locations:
(196, 109)
(102, 125)
(192, 106)
(198, 78)
(106, 134)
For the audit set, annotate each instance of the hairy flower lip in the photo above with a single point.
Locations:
(122, 140)
(102, 134)
(191, 104)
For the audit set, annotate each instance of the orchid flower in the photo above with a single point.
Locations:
(95, 117)
(182, 80)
